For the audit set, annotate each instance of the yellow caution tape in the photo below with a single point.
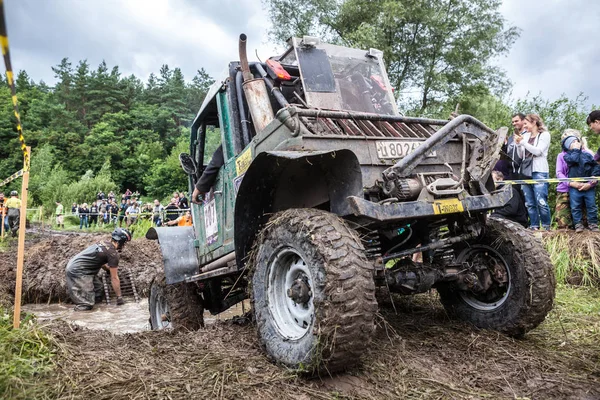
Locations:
(11, 178)
(549, 180)
(11, 83)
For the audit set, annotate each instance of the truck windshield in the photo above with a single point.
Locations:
(341, 78)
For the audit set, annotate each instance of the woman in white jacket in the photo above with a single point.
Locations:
(534, 144)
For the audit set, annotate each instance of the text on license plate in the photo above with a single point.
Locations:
(447, 206)
(396, 149)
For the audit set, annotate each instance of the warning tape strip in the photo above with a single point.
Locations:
(11, 83)
(549, 180)
(11, 178)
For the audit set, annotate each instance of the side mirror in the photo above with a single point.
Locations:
(187, 164)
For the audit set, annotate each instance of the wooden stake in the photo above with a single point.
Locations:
(21, 245)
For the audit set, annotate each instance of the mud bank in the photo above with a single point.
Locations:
(46, 258)
(417, 353)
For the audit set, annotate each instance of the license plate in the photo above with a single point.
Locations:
(396, 149)
(447, 206)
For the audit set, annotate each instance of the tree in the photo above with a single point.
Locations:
(433, 49)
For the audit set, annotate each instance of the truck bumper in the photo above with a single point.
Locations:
(422, 209)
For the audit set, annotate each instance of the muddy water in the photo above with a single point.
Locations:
(129, 318)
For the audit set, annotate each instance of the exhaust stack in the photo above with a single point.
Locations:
(255, 91)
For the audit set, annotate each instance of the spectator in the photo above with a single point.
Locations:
(510, 162)
(94, 211)
(13, 213)
(111, 197)
(177, 200)
(533, 148)
(183, 201)
(562, 213)
(184, 220)
(104, 212)
(100, 196)
(74, 209)
(132, 213)
(514, 210)
(122, 209)
(147, 211)
(3, 212)
(83, 215)
(581, 164)
(593, 121)
(60, 217)
(113, 213)
(157, 213)
(127, 194)
(171, 211)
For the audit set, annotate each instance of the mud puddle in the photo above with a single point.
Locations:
(131, 317)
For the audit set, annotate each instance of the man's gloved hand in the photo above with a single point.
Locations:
(120, 301)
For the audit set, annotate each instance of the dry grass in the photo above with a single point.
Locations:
(576, 257)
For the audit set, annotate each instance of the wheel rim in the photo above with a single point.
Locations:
(496, 295)
(293, 315)
(161, 312)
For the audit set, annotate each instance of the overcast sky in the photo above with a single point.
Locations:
(558, 51)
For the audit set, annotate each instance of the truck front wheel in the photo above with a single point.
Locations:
(313, 291)
(521, 281)
(177, 306)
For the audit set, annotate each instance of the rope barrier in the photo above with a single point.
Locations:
(11, 178)
(11, 83)
(549, 180)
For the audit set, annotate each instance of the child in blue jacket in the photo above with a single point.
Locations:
(581, 164)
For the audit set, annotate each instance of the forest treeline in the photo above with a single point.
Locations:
(96, 128)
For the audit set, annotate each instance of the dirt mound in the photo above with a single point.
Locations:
(417, 353)
(46, 259)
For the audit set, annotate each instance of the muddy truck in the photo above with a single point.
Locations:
(326, 196)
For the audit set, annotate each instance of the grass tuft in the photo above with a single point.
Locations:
(26, 354)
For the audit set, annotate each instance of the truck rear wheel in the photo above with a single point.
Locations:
(313, 291)
(177, 306)
(522, 276)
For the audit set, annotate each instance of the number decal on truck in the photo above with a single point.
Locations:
(211, 227)
(447, 206)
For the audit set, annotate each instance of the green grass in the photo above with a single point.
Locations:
(26, 354)
(574, 261)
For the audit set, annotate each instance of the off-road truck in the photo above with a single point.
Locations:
(328, 193)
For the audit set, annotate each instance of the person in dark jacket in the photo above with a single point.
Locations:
(581, 164)
(84, 213)
(515, 209)
(209, 175)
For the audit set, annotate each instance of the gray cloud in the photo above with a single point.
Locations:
(558, 51)
(138, 36)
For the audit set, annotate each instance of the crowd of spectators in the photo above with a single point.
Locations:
(105, 211)
(525, 156)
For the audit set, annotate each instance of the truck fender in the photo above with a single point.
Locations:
(279, 180)
(178, 250)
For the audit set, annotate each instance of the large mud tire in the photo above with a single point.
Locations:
(180, 304)
(341, 281)
(532, 283)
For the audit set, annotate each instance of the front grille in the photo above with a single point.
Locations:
(360, 127)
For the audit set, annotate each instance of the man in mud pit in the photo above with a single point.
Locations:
(83, 284)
